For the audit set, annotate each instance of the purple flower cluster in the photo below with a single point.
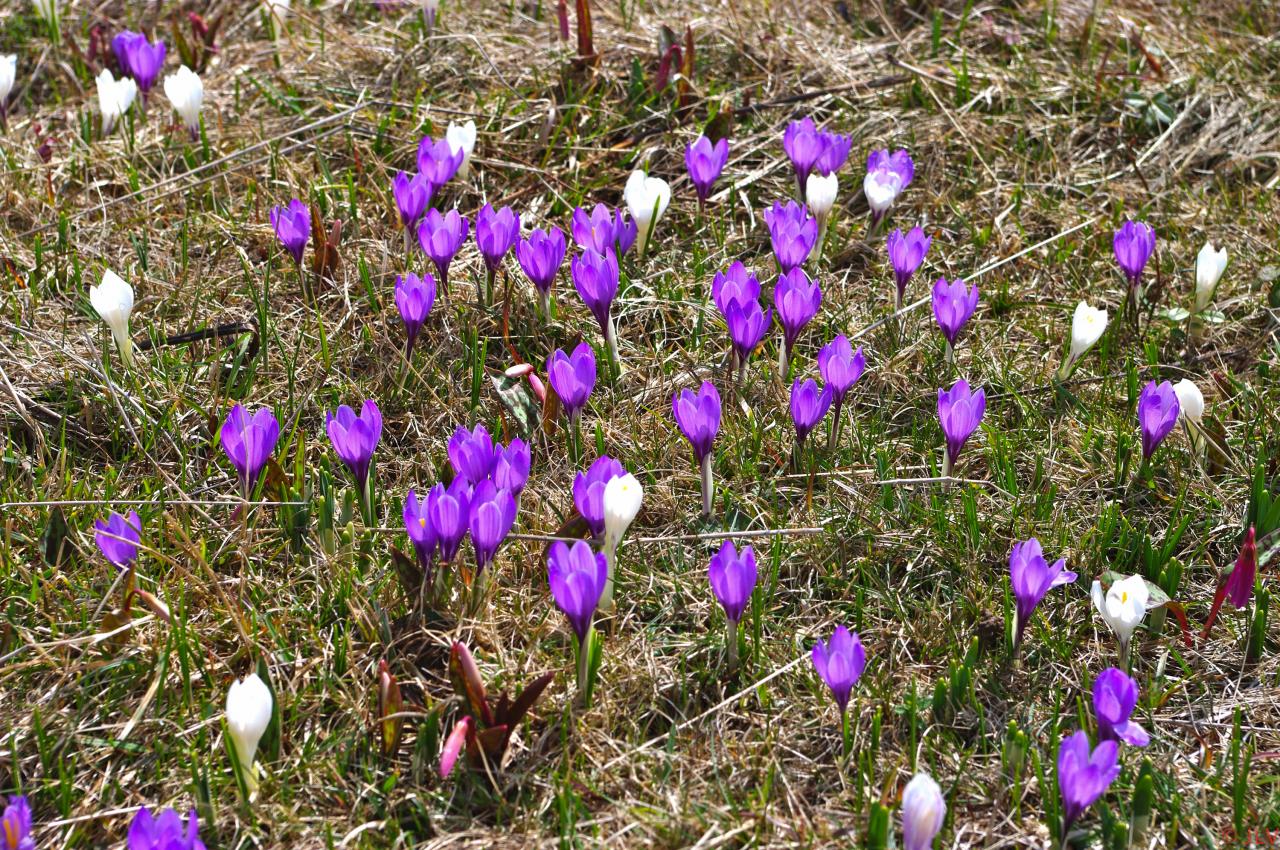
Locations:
(736, 293)
(811, 149)
(139, 58)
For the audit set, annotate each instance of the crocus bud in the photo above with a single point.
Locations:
(1087, 326)
(1122, 607)
(8, 74)
(249, 707)
(462, 137)
(705, 161)
(113, 299)
(622, 498)
(1133, 244)
(647, 199)
(1210, 265)
(887, 175)
(185, 91)
(453, 745)
(1190, 401)
(114, 98)
(820, 195)
(923, 811)
(1158, 411)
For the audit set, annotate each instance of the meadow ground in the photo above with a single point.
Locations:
(1036, 130)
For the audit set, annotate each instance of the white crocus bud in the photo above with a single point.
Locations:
(923, 811)
(113, 299)
(1087, 326)
(429, 10)
(114, 97)
(462, 137)
(1190, 401)
(249, 707)
(1122, 607)
(881, 190)
(8, 75)
(820, 194)
(185, 91)
(276, 13)
(1210, 265)
(647, 198)
(622, 498)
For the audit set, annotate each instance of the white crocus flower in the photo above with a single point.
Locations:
(820, 194)
(114, 97)
(1087, 326)
(923, 811)
(1122, 607)
(881, 189)
(8, 74)
(113, 299)
(429, 10)
(1190, 401)
(249, 707)
(622, 498)
(647, 198)
(1210, 265)
(462, 137)
(185, 91)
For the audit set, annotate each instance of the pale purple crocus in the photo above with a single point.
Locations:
(960, 412)
(603, 229)
(840, 367)
(809, 404)
(412, 194)
(496, 233)
(595, 276)
(792, 233)
(493, 513)
(796, 300)
(698, 417)
(577, 577)
(748, 324)
(292, 224)
(953, 304)
(422, 533)
(906, 254)
(441, 235)
(705, 161)
(438, 161)
(164, 832)
(15, 825)
(573, 377)
(540, 256)
(448, 512)
(414, 297)
(887, 175)
(835, 152)
(1084, 775)
(248, 440)
(588, 491)
(511, 467)
(139, 58)
(1115, 695)
(840, 662)
(1157, 414)
(118, 538)
(734, 284)
(1032, 576)
(1134, 244)
(733, 578)
(472, 454)
(354, 437)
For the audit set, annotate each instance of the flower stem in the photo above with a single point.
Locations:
(731, 645)
(708, 485)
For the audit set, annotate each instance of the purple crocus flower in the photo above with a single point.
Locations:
(1134, 243)
(796, 300)
(705, 161)
(1239, 585)
(953, 304)
(960, 413)
(1157, 414)
(164, 832)
(414, 297)
(595, 276)
(292, 225)
(804, 144)
(248, 441)
(15, 825)
(588, 490)
(792, 232)
(417, 523)
(540, 257)
(438, 161)
(698, 416)
(1084, 776)
(835, 152)
(906, 253)
(887, 175)
(577, 577)
(511, 467)
(139, 58)
(1032, 577)
(808, 405)
(493, 512)
(734, 284)
(748, 324)
(1115, 695)
(440, 237)
(603, 229)
(355, 437)
(496, 232)
(573, 377)
(841, 366)
(472, 454)
(118, 537)
(840, 662)
(733, 577)
(448, 510)
(412, 195)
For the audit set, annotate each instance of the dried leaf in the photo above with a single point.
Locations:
(527, 700)
(409, 572)
(157, 607)
(520, 406)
